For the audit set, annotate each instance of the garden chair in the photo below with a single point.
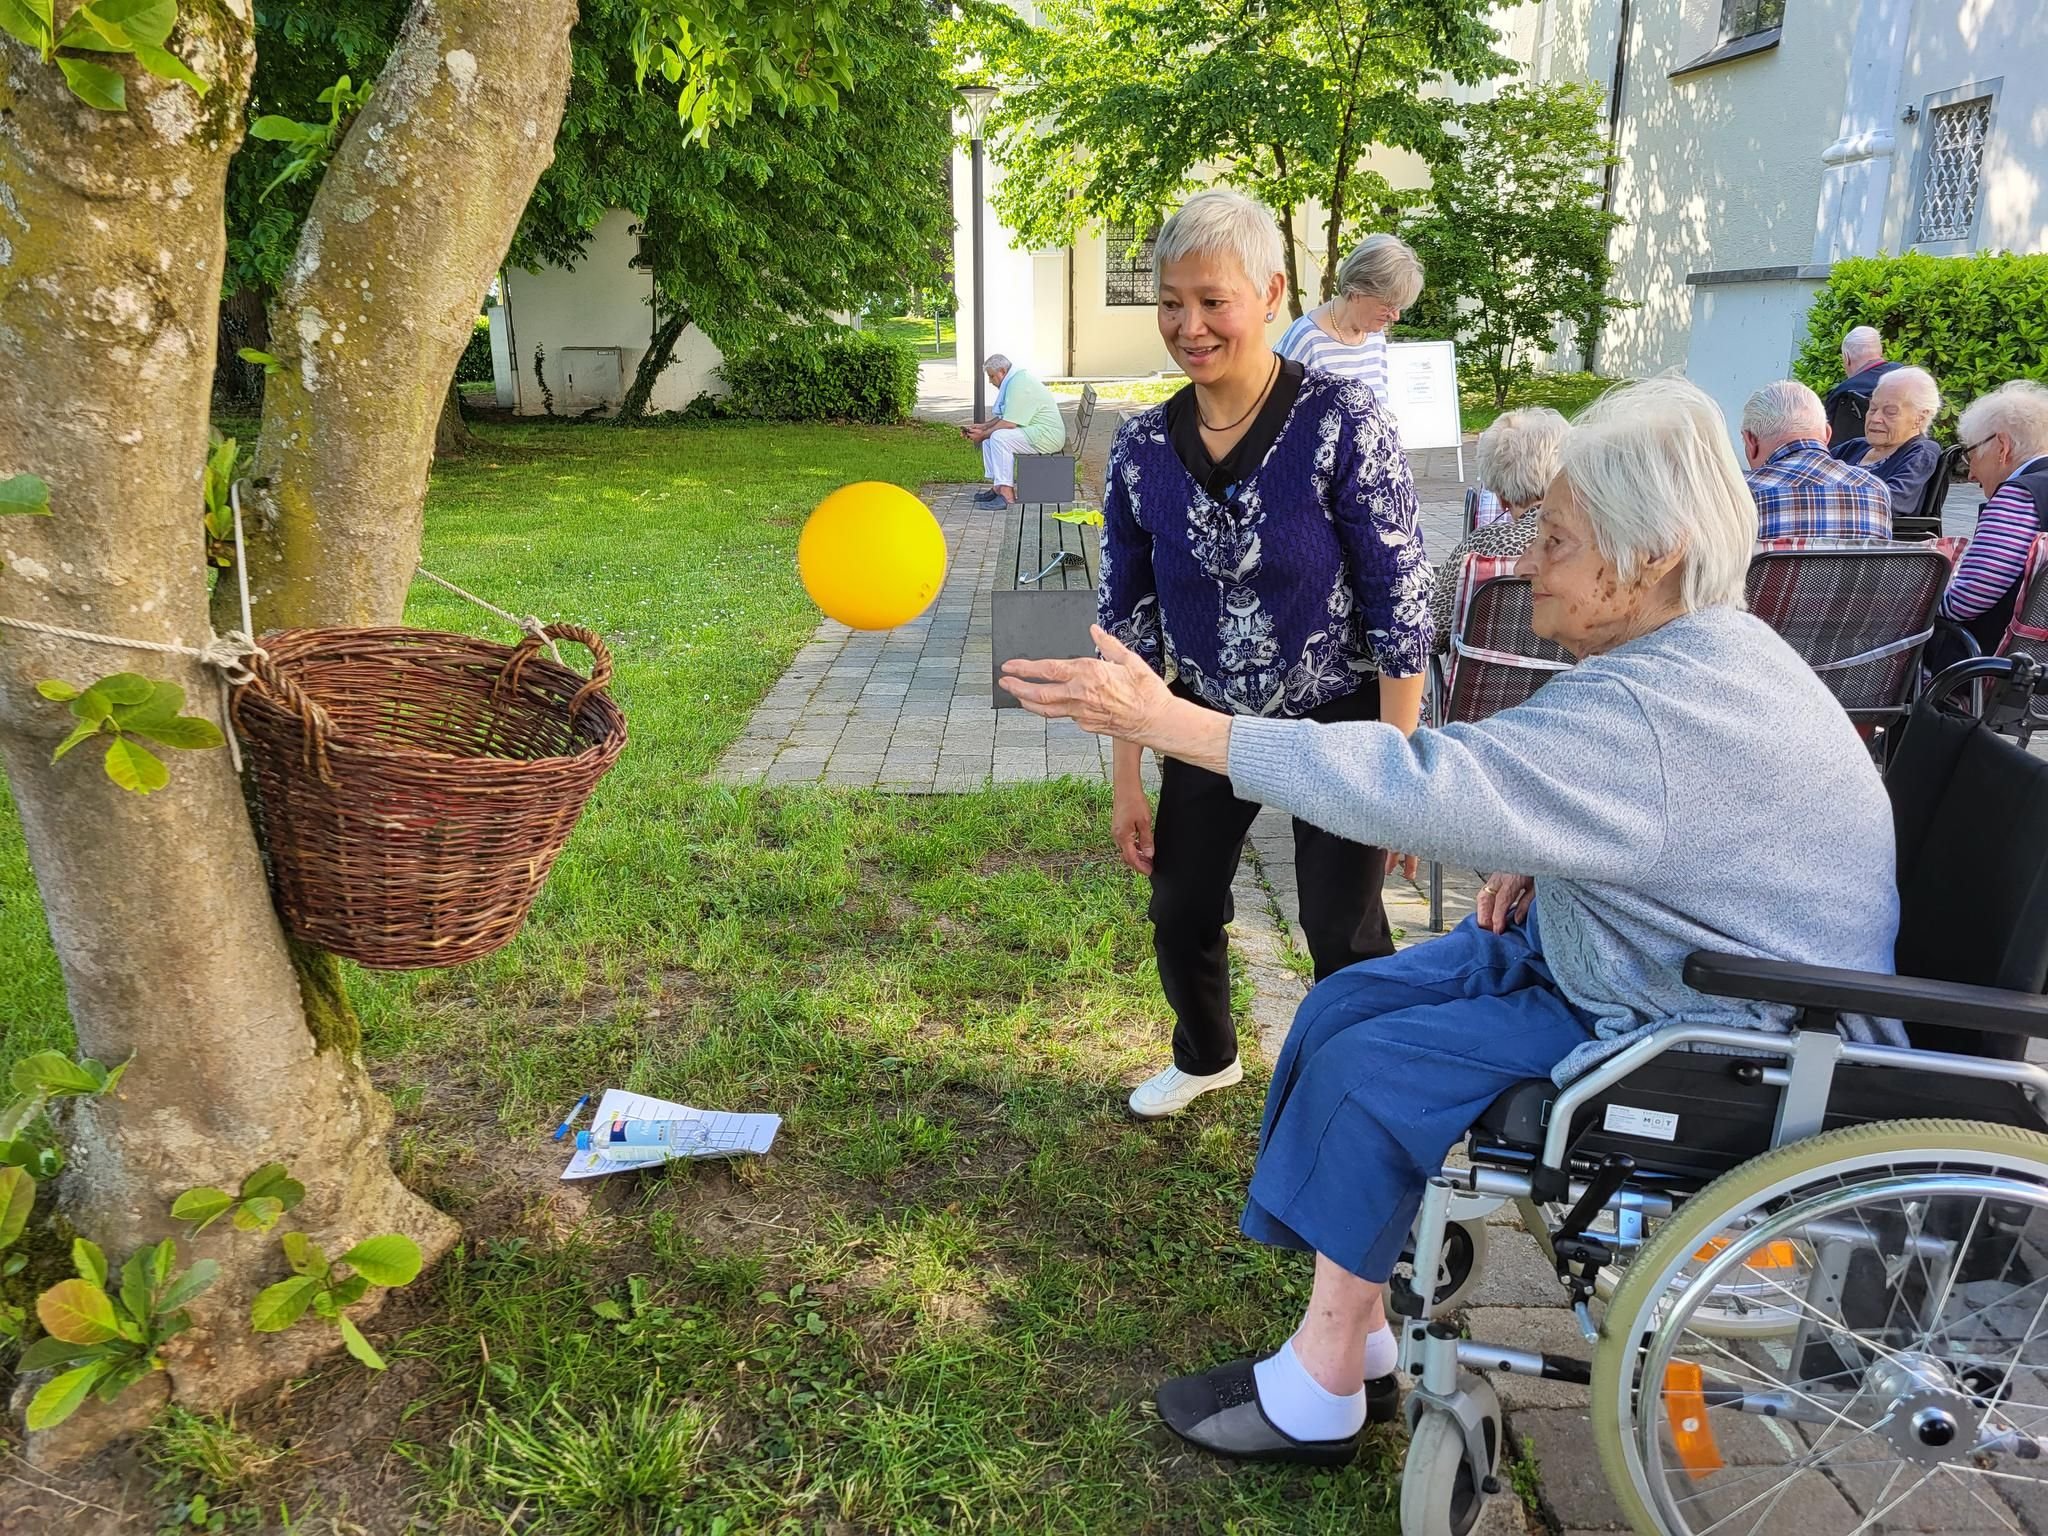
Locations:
(2028, 633)
(1053, 478)
(1924, 521)
(1496, 660)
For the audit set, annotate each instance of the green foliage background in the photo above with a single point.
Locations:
(1973, 322)
(852, 377)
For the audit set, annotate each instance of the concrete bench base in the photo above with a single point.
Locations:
(1044, 597)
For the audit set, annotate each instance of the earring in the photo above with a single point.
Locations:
(1269, 317)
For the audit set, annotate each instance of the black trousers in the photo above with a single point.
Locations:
(1198, 836)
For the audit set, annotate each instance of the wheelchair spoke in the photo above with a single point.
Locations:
(1884, 1509)
(1948, 1281)
(2003, 1518)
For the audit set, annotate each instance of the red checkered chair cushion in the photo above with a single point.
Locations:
(1496, 659)
(1858, 613)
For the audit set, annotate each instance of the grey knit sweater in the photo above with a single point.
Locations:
(1698, 788)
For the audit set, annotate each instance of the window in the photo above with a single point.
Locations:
(1128, 267)
(1954, 159)
(1746, 18)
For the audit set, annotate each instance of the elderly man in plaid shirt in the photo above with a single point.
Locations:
(1800, 489)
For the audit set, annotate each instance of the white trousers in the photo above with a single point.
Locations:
(999, 452)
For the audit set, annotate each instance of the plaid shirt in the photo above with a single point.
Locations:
(1802, 492)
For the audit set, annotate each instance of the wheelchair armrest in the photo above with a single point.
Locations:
(1831, 990)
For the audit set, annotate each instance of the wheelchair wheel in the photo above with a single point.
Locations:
(1906, 1387)
(1463, 1262)
(1741, 1307)
(1438, 1494)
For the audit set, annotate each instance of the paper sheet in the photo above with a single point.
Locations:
(725, 1135)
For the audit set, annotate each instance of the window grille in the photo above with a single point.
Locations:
(1746, 18)
(1955, 157)
(1129, 279)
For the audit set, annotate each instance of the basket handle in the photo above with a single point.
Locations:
(600, 659)
(316, 725)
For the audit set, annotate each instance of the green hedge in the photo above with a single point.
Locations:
(851, 377)
(1971, 321)
(475, 366)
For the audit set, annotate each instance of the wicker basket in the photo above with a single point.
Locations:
(414, 788)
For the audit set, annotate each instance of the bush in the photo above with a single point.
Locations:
(850, 377)
(1973, 322)
(475, 366)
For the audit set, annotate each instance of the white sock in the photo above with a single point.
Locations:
(1382, 1353)
(1298, 1404)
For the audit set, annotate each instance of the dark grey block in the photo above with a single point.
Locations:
(1041, 605)
(1046, 477)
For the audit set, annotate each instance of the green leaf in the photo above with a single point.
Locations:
(609, 1310)
(133, 21)
(56, 692)
(204, 1205)
(14, 1119)
(49, 1351)
(17, 1199)
(259, 1214)
(119, 1378)
(264, 360)
(350, 1291)
(161, 1258)
(26, 494)
(324, 1302)
(89, 1261)
(188, 733)
(61, 1395)
(78, 1312)
(196, 1279)
(352, 1337)
(164, 701)
(114, 1075)
(278, 1306)
(50, 1072)
(91, 706)
(137, 1290)
(166, 65)
(126, 688)
(97, 86)
(279, 130)
(303, 1254)
(392, 1259)
(135, 768)
(78, 733)
(26, 24)
(265, 1180)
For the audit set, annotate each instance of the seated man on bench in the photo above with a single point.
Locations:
(1025, 419)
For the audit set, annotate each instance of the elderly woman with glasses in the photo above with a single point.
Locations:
(1518, 458)
(2006, 436)
(1610, 793)
(1347, 335)
(1895, 446)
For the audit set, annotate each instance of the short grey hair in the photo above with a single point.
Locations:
(1783, 407)
(1518, 454)
(994, 361)
(2019, 409)
(1652, 465)
(1384, 267)
(1918, 385)
(1225, 221)
(1863, 341)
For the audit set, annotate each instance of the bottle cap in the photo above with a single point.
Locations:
(583, 1141)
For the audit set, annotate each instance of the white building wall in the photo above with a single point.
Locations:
(601, 303)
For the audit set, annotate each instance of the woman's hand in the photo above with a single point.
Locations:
(1504, 899)
(1117, 696)
(1131, 821)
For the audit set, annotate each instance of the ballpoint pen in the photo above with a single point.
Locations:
(570, 1118)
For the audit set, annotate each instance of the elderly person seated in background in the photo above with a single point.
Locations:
(1895, 446)
(1800, 491)
(1518, 457)
(1347, 335)
(1024, 419)
(2006, 436)
(1624, 840)
(1863, 365)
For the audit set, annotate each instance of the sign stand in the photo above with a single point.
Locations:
(1422, 392)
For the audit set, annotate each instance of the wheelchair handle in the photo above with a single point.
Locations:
(1976, 668)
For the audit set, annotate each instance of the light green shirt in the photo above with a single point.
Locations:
(1032, 407)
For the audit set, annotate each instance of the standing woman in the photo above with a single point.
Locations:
(1347, 335)
(1260, 551)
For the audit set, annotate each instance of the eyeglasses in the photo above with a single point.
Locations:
(1970, 449)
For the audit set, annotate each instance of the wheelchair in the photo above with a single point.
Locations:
(1812, 1275)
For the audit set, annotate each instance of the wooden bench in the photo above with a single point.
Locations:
(1044, 598)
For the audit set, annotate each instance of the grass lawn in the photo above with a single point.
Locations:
(918, 331)
(940, 1303)
(1565, 392)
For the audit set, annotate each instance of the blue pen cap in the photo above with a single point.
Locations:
(583, 1141)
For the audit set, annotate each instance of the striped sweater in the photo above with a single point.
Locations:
(1320, 352)
(1997, 557)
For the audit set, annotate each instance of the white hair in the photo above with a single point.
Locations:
(1918, 386)
(995, 362)
(1518, 454)
(1651, 465)
(1785, 407)
(1223, 221)
(2019, 409)
(1383, 267)
(1864, 341)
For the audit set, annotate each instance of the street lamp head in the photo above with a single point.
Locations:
(975, 101)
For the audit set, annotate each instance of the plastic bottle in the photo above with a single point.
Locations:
(637, 1139)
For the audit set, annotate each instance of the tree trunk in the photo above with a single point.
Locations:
(244, 322)
(110, 276)
(653, 363)
(412, 218)
(452, 437)
(1293, 262)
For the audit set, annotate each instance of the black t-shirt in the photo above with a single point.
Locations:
(1184, 432)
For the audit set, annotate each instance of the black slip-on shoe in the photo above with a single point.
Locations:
(989, 499)
(1383, 1399)
(1219, 1411)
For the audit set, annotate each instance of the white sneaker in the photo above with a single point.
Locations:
(1174, 1090)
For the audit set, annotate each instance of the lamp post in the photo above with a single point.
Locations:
(975, 101)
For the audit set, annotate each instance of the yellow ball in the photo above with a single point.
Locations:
(872, 556)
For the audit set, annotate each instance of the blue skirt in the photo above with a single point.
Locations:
(1387, 1066)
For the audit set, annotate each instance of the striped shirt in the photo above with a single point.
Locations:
(1320, 352)
(1997, 557)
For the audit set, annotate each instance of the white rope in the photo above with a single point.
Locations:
(531, 623)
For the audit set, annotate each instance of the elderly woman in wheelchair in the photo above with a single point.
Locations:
(1693, 849)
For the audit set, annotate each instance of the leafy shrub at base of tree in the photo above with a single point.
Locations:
(1972, 321)
(475, 364)
(850, 377)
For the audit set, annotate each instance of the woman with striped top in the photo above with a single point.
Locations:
(2006, 436)
(1347, 335)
